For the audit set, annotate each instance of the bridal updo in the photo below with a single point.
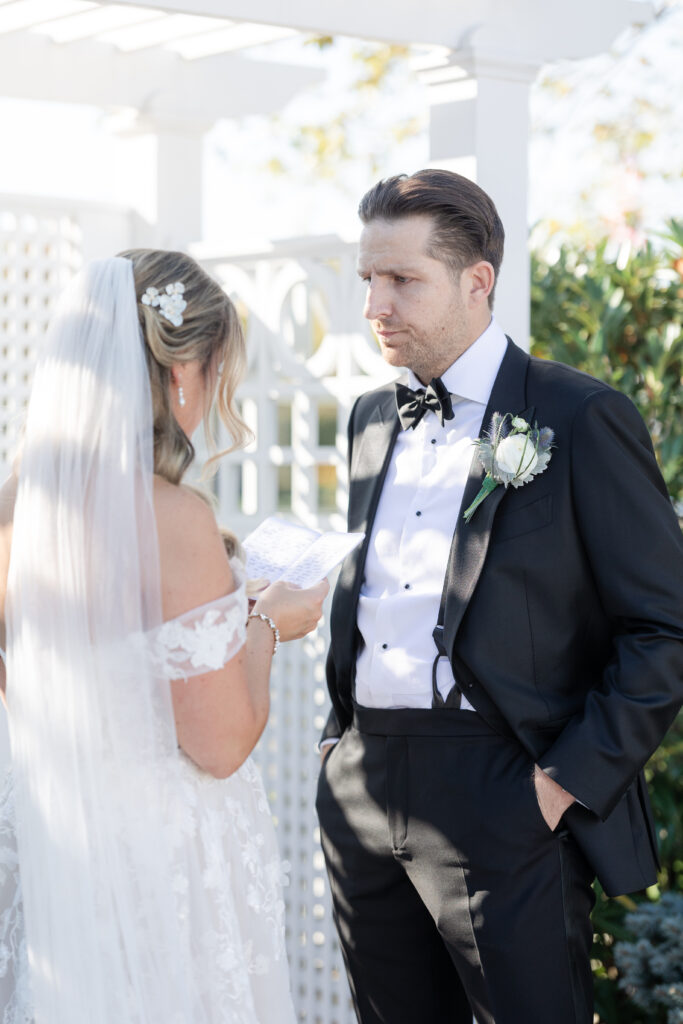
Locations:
(210, 333)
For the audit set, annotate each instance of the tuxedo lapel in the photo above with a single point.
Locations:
(471, 540)
(369, 462)
(372, 447)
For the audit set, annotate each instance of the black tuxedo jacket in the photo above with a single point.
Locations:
(564, 614)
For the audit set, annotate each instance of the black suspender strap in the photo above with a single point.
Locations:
(454, 697)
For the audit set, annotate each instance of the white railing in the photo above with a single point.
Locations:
(310, 355)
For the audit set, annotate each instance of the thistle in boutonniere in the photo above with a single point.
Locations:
(512, 452)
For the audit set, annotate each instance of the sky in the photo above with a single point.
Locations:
(606, 150)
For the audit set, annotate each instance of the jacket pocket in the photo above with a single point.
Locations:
(514, 522)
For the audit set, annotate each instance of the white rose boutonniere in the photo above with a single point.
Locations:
(512, 452)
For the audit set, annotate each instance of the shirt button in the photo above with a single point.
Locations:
(418, 513)
(406, 586)
(433, 440)
(384, 646)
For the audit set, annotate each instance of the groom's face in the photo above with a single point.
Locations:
(417, 306)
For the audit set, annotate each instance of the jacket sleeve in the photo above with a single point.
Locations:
(635, 550)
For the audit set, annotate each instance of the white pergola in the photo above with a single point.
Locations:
(171, 75)
(177, 66)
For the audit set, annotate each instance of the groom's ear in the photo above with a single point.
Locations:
(477, 283)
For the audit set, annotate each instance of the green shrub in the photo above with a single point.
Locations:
(620, 319)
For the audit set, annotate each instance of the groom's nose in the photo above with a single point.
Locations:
(378, 301)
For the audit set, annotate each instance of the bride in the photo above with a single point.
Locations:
(137, 679)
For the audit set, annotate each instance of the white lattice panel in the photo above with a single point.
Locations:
(38, 255)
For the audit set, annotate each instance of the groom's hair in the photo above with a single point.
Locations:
(467, 227)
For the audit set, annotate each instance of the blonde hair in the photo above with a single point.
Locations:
(210, 333)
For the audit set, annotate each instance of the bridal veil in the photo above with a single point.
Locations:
(93, 738)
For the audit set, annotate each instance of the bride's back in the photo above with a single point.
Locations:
(193, 564)
(194, 570)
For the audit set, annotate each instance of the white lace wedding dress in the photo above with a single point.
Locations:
(239, 958)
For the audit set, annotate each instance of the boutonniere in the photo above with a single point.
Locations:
(512, 452)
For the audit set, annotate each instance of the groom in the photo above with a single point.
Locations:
(498, 683)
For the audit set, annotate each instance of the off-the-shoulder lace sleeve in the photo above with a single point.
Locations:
(205, 638)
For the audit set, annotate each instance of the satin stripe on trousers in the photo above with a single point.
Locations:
(451, 894)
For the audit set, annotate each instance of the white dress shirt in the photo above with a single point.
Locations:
(411, 538)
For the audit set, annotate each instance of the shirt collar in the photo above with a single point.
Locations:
(471, 376)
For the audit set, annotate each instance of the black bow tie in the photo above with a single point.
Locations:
(412, 405)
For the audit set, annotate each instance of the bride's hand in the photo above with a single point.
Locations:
(295, 612)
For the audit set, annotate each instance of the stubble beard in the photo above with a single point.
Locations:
(413, 354)
(424, 360)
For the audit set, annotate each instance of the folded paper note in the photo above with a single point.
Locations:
(278, 550)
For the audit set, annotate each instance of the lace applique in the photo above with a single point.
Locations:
(240, 959)
(203, 639)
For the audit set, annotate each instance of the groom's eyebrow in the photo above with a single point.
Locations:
(390, 271)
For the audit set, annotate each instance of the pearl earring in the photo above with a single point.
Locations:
(181, 396)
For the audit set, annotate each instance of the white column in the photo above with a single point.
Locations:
(105, 230)
(479, 127)
(179, 184)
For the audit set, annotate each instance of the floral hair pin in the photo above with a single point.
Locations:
(512, 452)
(171, 303)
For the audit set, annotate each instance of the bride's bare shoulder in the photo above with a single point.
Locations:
(173, 500)
(193, 561)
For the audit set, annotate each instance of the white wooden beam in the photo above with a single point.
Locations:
(538, 28)
(159, 84)
(179, 188)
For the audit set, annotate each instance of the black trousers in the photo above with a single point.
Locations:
(451, 894)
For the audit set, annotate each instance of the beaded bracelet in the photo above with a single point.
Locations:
(267, 619)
